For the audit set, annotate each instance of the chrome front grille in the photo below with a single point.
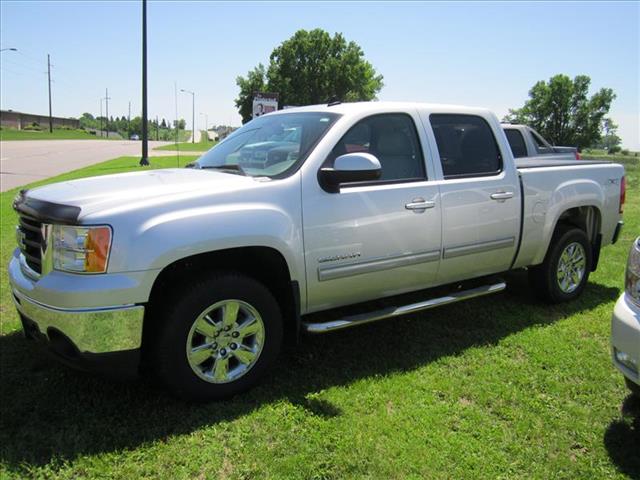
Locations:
(30, 241)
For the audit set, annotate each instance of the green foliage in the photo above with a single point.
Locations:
(126, 129)
(609, 141)
(254, 82)
(562, 111)
(311, 67)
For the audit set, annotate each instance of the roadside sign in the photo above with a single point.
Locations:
(264, 103)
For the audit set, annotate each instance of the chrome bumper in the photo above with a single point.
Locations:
(625, 336)
(92, 330)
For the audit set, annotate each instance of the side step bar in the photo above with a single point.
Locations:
(362, 318)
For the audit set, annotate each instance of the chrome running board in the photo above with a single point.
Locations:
(389, 312)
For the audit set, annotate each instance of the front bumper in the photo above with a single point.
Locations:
(77, 329)
(625, 336)
(91, 330)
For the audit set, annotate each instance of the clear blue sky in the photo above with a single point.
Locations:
(484, 54)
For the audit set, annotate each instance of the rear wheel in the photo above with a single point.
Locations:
(565, 270)
(218, 337)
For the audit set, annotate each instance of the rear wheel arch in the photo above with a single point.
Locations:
(587, 218)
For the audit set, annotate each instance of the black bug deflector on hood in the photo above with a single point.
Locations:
(45, 211)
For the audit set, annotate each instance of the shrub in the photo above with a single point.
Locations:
(614, 149)
(32, 126)
(624, 151)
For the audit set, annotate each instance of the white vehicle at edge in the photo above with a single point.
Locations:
(625, 323)
(201, 274)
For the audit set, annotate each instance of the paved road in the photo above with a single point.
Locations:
(26, 161)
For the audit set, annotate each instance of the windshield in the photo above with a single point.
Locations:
(271, 145)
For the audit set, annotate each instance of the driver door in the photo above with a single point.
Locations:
(373, 239)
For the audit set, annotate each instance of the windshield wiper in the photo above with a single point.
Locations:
(231, 168)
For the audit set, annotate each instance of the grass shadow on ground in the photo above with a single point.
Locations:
(50, 413)
(622, 438)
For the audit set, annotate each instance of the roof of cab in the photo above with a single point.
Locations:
(351, 108)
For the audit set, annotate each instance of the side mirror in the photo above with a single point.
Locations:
(351, 167)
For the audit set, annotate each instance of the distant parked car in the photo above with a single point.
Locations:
(625, 324)
(135, 137)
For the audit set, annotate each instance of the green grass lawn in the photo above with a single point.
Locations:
(202, 146)
(57, 134)
(497, 387)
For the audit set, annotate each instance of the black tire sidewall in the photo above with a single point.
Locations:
(172, 366)
(550, 265)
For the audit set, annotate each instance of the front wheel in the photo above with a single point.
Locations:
(565, 270)
(218, 337)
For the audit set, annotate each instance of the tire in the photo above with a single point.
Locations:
(550, 280)
(194, 344)
(634, 388)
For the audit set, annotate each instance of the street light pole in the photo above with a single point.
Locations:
(49, 77)
(145, 140)
(106, 101)
(193, 113)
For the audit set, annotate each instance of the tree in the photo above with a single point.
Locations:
(164, 123)
(562, 112)
(610, 140)
(254, 82)
(311, 67)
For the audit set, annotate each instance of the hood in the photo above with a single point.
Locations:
(137, 189)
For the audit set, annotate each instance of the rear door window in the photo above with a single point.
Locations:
(516, 142)
(466, 145)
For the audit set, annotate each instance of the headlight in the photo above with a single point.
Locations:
(81, 249)
(632, 278)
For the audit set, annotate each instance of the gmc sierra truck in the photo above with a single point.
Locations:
(310, 219)
(526, 142)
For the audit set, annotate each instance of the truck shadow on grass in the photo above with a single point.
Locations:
(49, 413)
(622, 438)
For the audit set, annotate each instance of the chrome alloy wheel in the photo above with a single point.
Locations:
(225, 341)
(572, 266)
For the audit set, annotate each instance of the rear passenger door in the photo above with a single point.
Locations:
(480, 197)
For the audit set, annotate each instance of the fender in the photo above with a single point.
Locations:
(570, 194)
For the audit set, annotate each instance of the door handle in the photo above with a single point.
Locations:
(501, 195)
(420, 204)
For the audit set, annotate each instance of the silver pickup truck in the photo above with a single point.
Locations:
(200, 275)
(526, 142)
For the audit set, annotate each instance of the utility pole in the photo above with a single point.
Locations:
(49, 76)
(145, 141)
(106, 101)
(129, 121)
(101, 132)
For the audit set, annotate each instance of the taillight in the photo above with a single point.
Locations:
(578, 155)
(623, 193)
